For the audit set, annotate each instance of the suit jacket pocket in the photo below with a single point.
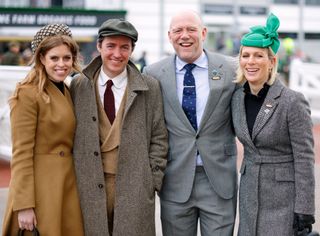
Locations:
(284, 174)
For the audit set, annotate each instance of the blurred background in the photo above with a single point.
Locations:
(226, 20)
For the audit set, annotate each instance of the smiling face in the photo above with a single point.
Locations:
(256, 64)
(57, 62)
(187, 35)
(115, 53)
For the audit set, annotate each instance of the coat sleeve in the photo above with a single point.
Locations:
(73, 86)
(23, 116)
(159, 139)
(301, 137)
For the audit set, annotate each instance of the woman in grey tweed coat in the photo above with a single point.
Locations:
(273, 123)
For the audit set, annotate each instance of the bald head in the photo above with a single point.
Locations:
(186, 15)
(187, 35)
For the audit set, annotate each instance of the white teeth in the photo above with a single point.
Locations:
(252, 70)
(186, 44)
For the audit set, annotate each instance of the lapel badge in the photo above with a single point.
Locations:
(266, 111)
(268, 105)
(216, 75)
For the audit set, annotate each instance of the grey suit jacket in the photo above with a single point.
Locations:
(214, 139)
(277, 174)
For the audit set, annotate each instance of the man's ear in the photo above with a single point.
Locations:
(98, 46)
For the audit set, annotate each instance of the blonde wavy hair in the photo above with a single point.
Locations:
(38, 75)
(241, 79)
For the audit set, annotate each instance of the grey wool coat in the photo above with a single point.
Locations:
(141, 161)
(277, 173)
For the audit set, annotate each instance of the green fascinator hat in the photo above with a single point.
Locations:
(264, 36)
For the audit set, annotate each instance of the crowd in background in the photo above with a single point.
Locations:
(16, 54)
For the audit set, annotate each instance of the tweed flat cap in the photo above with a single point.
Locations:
(49, 30)
(114, 27)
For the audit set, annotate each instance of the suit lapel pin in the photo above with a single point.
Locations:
(216, 75)
(268, 105)
(266, 111)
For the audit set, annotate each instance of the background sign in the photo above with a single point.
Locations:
(25, 17)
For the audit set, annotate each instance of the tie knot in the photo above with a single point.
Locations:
(189, 67)
(109, 83)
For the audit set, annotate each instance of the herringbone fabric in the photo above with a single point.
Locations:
(49, 30)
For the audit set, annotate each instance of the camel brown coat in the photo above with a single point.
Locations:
(42, 167)
(141, 161)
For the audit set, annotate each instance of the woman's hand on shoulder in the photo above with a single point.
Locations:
(27, 219)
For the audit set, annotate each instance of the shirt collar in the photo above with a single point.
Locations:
(119, 81)
(201, 62)
(261, 94)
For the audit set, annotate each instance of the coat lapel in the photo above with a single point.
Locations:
(268, 107)
(217, 78)
(135, 84)
(61, 97)
(241, 114)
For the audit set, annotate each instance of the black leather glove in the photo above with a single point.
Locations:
(314, 234)
(302, 224)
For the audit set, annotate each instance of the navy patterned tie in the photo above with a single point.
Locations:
(189, 96)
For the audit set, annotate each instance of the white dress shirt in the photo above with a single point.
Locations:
(118, 88)
(200, 73)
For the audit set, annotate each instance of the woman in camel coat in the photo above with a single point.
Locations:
(43, 190)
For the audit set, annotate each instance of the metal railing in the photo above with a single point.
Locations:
(305, 78)
(9, 77)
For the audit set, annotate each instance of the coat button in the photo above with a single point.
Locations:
(96, 153)
(156, 168)
(94, 118)
(100, 185)
(61, 153)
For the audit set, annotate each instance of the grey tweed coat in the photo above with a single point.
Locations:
(141, 161)
(277, 173)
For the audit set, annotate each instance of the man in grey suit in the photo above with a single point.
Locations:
(200, 181)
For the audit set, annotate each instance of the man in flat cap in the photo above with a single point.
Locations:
(120, 144)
